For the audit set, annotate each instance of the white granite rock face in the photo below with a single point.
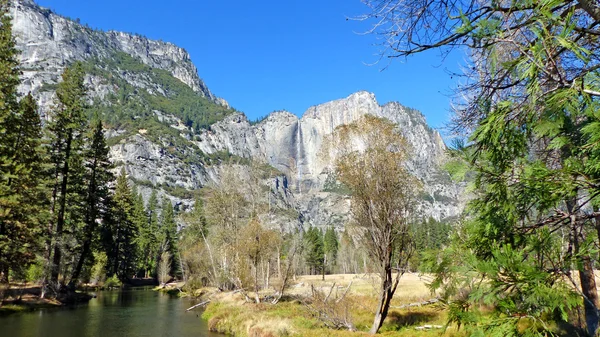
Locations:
(48, 42)
(290, 144)
(294, 146)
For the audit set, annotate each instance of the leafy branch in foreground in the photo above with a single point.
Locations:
(528, 104)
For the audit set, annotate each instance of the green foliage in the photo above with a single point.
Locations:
(131, 103)
(22, 196)
(168, 237)
(429, 237)
(35, 272)
(330, 247)
(97, 179)
(149, 235)
(113, 282)
(522, 296)
(67, 137)
(120, 232)
(98, 272)
(314, 254)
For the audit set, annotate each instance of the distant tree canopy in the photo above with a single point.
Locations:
(168, 95)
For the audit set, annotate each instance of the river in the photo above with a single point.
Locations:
(127, 313)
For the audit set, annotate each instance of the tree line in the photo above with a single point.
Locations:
(63, 214)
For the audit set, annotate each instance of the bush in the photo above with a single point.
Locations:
(113, 282)
(99, 268)
(35, 272)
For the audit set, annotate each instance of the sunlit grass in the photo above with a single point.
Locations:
(230, 313)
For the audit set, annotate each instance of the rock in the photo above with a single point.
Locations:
(292, 145)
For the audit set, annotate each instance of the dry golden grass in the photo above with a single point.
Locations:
(230, 313)
(412, 287)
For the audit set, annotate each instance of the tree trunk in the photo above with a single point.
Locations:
(61, 213)
(590, 293)
(385, 298)
(84, 253)
(591, 303)
(268, 274)
(278, 263)
(4, 285)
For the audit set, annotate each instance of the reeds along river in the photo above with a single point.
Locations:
(127, 313)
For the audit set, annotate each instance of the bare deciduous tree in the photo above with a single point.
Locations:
(371, 164)
(164, 266)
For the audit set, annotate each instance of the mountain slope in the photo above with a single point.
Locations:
(171, 133)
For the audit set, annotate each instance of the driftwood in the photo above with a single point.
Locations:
(334, 313)
(197, 305)
(428, 327)
(417, 304)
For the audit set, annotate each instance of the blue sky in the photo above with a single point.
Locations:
(271, 55)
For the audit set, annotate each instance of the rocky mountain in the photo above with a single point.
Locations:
(172, 134)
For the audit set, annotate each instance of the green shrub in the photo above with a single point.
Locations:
(113, 282)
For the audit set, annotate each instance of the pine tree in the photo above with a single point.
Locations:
(168, 235)
(97, 179)
(120, 245)
(66, 132)
(21, 156)
(9, 80)
(150, 233)
(142, 241)
(330, 247)
(314, 254)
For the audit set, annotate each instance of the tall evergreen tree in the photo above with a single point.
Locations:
(314, 253)
(21, 157)
(9, 80)
(140, 221)
(66, 131)
(121, 247)
(150, 233)
(330, 247)
(168, 235)
(97, 179)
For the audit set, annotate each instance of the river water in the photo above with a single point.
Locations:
(127, 313)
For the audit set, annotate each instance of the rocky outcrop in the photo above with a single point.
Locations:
(49, 42)
(185, 159)
(294, 146)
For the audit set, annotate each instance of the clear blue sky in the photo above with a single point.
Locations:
(270, 55)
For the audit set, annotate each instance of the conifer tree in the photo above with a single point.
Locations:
(168, 235)
(97, 179)
(153, 233)
(21, 156)
(142, 241)
(9, 80)
(66, 132)
(330, 247)
(314, 254)
(120, 244)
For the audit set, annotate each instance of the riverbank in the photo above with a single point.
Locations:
(329, 308)
(27, 297)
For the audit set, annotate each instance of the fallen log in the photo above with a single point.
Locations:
(418, 304)
(197, 305)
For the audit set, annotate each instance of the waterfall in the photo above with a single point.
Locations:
(298, 155)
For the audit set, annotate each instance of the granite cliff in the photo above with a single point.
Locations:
(173, 134)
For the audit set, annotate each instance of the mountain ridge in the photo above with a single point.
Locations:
(175, 138)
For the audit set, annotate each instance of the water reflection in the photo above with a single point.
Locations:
(132, 313)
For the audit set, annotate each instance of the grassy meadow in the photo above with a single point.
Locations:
(298, 315)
